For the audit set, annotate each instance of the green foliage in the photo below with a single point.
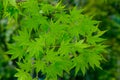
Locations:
(53, 40)
(108, 12)
(6, 68)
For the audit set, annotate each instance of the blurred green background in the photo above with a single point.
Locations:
(106, 11)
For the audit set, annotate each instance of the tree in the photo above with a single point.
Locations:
(52, 40)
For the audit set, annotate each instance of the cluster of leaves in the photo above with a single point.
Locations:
(107, 11)
(52, 40)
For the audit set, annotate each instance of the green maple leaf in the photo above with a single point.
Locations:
(23, 38)
(80, 63)
(22, 75)
(94, 60)
(16, 51)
